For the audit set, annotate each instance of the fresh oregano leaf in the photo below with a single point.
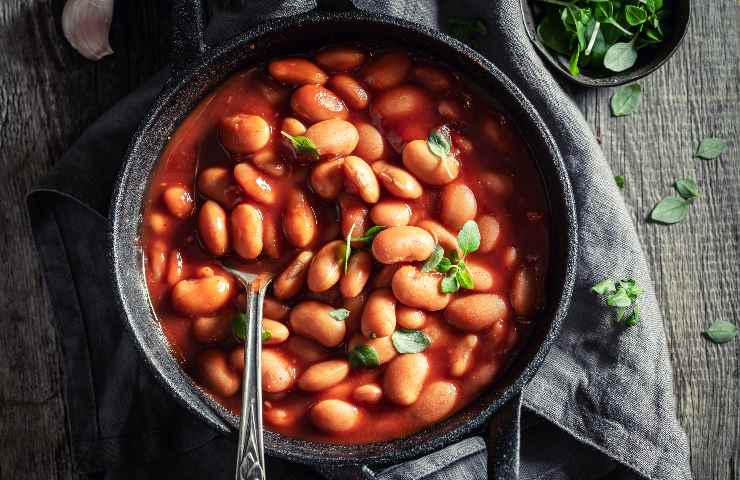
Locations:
(621, 56)
(605, 286)
(626, 100)
(687, 188)
(266, 335)
(622, 296)
(347, 248)
(463, 276)
(339, 314)
(239, 326)
(303, 146)
(410, 341)
(449, 283)
(363, 356)
(633, 318)
(370, 234)
(439, 143)
(711, 148)
(619, 299)
(670, 210)
(553, 35)
(468, 238)
(635, 15)
(434, 259)
(444, 265)
(619, 180)
(721, 332)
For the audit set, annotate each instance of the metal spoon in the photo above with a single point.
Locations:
(250, 455)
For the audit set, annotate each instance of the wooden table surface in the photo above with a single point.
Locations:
(49, 94)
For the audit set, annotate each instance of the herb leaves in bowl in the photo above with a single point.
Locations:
(601, 36)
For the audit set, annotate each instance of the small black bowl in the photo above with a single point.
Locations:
(647, 62)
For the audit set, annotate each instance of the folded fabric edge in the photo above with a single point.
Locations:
(86, 448)
(616, 455)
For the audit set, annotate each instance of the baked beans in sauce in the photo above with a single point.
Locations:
(230, 184)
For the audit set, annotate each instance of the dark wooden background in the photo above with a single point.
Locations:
(49, 94)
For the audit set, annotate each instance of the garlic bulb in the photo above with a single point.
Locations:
(86, 24)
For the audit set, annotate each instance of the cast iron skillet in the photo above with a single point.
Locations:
(202, 68)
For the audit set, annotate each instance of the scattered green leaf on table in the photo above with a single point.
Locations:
(622, 296)
(711, 148)
(687, 188)
(721, 332)
(619, 180)
(605, 286)
(670, 210)
(626, 100)
(410, 341)
(363, 356)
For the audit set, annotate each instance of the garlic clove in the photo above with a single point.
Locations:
(86, 24)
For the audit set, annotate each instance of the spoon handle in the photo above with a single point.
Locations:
(250, 456)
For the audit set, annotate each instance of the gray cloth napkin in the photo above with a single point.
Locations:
(602, 401)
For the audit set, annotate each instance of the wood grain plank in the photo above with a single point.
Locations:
(696, 265)
(45, 103)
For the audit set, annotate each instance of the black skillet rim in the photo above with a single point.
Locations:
(148, 334)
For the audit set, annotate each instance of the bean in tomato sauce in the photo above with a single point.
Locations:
(341, 172)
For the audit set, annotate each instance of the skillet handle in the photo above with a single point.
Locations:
(503, 440)
(188, 32)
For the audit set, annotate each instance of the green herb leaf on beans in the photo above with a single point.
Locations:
(687, 188)
(239, 326)
(721, 332)
(622, 296)
(670, 210)
(626, 100)
(303, 146)
(339, 314)
(363, 356)
(462, 275)
(369, 236)
(619, 180)
(449, 283)
(434, 260)
(347, 248)
(439, 142)
(454, 267)
(410, 341)
(469, 237)
(711, 148)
